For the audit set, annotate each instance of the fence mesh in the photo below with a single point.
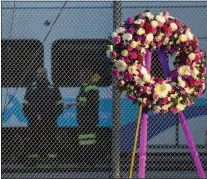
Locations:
(62, 117)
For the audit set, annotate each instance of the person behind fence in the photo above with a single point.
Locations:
(88, 111)
(42, 106)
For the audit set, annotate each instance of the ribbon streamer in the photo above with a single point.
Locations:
(143, 145)
(186, 130)
(143, 132)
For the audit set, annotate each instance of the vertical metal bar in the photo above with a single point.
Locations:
(116, 105)
(177, 133)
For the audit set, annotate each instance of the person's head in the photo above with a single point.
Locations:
(41, 74)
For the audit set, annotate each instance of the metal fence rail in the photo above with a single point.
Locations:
(61, 113)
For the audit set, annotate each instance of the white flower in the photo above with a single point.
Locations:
(147, 78)
(120, 30)
(139, 80)
(124, 53)
(189, 35)
(162, 90)
(181, 83)
(195, 73)
(154, 23)
(174, 95)
(149, 37)
(133, 69)
(139, 21)
(120, 65)
(166, 41)
(149, 15)
(189, 90)
(182, 38)
(165, 107)
(143, 50)
(127, 36)
(144, 71)
(173, 26)
(149, 90)
(184, 70)
(140, 31)
(157, 108)
(160, 18)
(180, 107)
(114, 34)
(133, 44)
(191, 56)
(110, 48)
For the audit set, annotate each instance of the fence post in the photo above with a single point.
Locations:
(116, 105)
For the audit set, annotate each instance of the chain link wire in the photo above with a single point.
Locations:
(62, 116)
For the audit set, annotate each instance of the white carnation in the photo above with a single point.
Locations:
(173, 26)
(127, 36)
(120, 30)
(147, 78)
(120, 65)
(149, 37)
(140, 31)
(144, 70)
(160, 18)
(154, 23)
(114, 34)
(139, 21)
(189, 35)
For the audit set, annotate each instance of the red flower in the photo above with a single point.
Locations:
(165, 101)
(167, 30)
(194, 43)
(191, 82)
(139, 57)
(148, 28)
(133, 55)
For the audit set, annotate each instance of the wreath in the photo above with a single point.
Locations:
(145, 33)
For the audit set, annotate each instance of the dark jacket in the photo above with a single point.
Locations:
(88, 112)
(42, 99)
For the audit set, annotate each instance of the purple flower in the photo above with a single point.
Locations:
(130, 20)
(132, 97)
(115, 72)
(177, 21)
(128, 76)
(131, 30)
(140, 16)
(143, 38)
(117, 39)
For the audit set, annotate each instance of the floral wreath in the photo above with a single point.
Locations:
(153, 32)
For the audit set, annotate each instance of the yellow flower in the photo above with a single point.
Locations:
(182, 37)
(173, 26)
(132, 69)
(139, 80)
(181, 83)
(147, 77)
(191, 56)
(162, 90)
(140, 31)
(189, 90)
(124, 53)
(174, 95)
(184, 70)
(195, 73)
(133, 44)
(154, 23)
(180, 107)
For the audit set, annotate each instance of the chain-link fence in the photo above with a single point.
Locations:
(61, 116)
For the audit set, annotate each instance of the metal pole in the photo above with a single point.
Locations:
(116, 105)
